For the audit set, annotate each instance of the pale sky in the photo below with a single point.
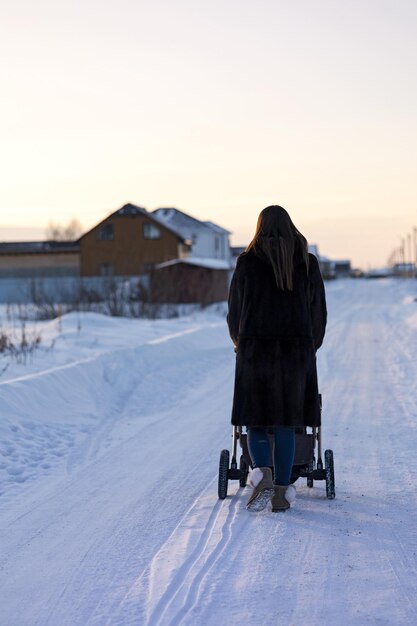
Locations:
(217, 109)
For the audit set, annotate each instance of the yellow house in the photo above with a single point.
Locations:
(127, 243)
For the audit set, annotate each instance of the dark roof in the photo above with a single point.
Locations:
(38, 247)
(129, 210)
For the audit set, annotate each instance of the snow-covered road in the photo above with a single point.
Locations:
(109, 448)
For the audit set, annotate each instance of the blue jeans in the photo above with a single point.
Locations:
(284, 448)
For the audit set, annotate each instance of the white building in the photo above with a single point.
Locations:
(208, 240)
(326, 265)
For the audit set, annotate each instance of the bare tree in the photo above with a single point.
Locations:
(58, 232)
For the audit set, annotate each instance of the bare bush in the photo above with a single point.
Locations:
(117, 297)
(46, 307)
(58, 232)
(18, 344)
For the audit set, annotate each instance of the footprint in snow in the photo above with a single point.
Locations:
(18, 479)
(7, 451)
(15, 471)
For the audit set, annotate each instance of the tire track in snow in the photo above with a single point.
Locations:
(351, 560)
(181, 583)
(398, 362)
(192, 597)
(53, 370)
(374, 370)
(105, 353)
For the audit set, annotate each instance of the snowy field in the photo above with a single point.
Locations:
(109, 446)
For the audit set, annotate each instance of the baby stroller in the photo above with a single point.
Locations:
(305, 463)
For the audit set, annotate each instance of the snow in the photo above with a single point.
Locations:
(109, 445)
(217, 229)
(180, 221)
(214, 264)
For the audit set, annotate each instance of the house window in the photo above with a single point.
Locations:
(216, 244)
(150, 231)
(106, 233)
(106, 269)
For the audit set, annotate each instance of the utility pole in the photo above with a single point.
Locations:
(415, 248)
(409, 273)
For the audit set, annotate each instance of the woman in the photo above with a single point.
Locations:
(277, 319)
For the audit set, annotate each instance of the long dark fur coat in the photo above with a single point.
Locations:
(277, 334)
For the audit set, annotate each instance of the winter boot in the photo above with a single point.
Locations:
(260, 479)
(282, 497)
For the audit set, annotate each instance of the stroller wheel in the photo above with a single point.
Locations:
(310, 481)
(329, 466)
(244, 472)
(223, 474)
